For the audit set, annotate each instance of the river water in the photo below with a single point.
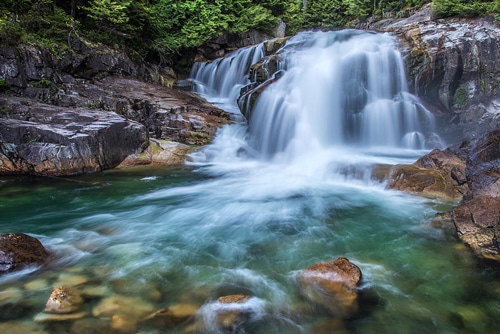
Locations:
(262, 202)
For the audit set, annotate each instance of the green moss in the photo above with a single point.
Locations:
(4, 86)
(461, 96)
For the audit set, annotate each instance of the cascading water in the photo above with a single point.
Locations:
(222, 79)
(337, 93)
(339, 89)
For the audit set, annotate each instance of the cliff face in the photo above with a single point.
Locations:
(86, 109)
(454, 67)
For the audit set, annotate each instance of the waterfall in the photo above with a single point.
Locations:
(343, 89)
(222, 79)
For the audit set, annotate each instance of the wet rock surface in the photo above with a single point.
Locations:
(40, 139)
(63, 299)
(470, 172)
(453, 65)
(170, 316)
(439, 174)
(332, 285)
(86, 110)
(18, 251)
(95, 126)
(477, 217)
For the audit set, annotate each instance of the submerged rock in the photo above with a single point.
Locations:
(469, 171)
(170, 316)
(123, 324)
(132, 307)
(63, 300)
(332, 285)
(18, 250)
(231, 317)
(17, 327)
(51, 317)
(228, 313)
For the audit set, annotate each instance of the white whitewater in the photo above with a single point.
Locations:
(340, 89)
(342, 98)
(221, 80)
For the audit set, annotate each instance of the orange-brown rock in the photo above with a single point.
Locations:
(64, 299)
(439, 174)
(229, 317)
(477, 217)
(238, 299)
(18, 250)
(332, 285)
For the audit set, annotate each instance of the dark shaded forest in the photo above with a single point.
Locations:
(158, 30)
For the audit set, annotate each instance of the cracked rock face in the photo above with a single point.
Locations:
(454, 66)
(45, 140)
(477, 217)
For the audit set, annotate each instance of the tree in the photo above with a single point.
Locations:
(465, 8)
(108, 13)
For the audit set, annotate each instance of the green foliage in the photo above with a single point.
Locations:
(185, 24)
(461, 96)
(160, 29)
(10, 32)
(108, 12)
(4, 86)
(465, 8)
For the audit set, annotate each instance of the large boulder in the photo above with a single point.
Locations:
(477, 217)
(168, 113)
(42, 139)
(469, 171)
(333, 285)
(18, 251)
(439, 174)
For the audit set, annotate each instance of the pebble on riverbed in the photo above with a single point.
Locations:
(64, 300)
(170, 316)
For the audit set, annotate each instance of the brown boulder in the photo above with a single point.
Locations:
(18, 250)
(477, 217)
(478, 225)
(230, 317)
(439, 174)
(332, 285)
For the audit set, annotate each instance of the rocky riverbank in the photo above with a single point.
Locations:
(88, 109)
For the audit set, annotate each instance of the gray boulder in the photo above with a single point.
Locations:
(40, 139)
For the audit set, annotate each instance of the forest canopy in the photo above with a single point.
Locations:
(158, 29)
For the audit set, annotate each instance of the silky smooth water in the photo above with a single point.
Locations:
(238, 221)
